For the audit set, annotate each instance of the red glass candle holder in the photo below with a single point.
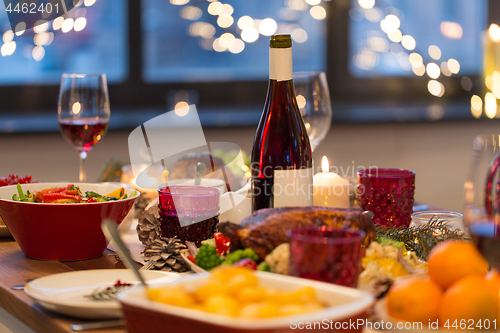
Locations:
(388, 193)
(326, 254)
(189, 212)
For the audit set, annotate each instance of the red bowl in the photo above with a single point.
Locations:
(55, 231)
(346, 310)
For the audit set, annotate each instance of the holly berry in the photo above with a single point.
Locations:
(14, 179)
(4, 181)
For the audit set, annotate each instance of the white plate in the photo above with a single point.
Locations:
(194, 267)
(64, 293)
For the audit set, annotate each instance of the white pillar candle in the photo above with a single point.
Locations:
(330, 190)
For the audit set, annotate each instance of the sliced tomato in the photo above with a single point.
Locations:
(221, 243)
(54, 190)
(48, 197)
(248, 263)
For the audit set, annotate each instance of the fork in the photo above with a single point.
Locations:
(149, 265)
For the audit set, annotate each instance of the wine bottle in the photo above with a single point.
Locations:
(281, 157)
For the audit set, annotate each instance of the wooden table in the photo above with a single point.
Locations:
(17, 269)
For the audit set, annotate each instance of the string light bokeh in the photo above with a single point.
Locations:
(431, 62)
(219, 28)
(391, 39)
(74, 20)
(230, 33)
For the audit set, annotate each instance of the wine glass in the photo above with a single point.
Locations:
(482, 197)
(83, 112)
(313, 99)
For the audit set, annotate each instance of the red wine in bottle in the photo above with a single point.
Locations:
(281, 157)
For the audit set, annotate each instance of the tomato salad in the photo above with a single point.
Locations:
(68, 194)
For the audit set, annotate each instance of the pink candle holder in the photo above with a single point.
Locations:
(326, 254)
(189, 212)
(388, 193)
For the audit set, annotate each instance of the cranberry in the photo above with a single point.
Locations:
(4, 181)
(14, 179)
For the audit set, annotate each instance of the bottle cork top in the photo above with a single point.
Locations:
(281, 41)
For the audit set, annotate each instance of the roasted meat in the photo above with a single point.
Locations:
(265, 229)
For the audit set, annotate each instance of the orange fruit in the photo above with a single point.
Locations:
(493, 278)
(414, 300)
(450, 261)
(469, 299)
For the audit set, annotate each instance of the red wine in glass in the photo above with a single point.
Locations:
(83, 133)
(486, 236)
(83, 112)
(482, 198)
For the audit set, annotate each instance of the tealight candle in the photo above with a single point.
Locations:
(150, 192)
(330, 190)
(147, 182)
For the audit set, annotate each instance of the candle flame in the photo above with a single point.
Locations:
(325, 167)
(165, 175)
(76, 108)
(494, 33)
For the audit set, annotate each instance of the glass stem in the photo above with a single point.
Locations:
(83, 173)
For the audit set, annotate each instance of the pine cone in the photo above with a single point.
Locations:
(148, 226)
(140, 204)
(166, 253)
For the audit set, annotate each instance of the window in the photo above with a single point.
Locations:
(398, 37)
(192, 42)
(92, 39)
(378, 65)
(217, 51)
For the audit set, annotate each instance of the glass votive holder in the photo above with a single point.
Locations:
(388, 193)
(326, 254)
(452, 220)
(189, 212)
